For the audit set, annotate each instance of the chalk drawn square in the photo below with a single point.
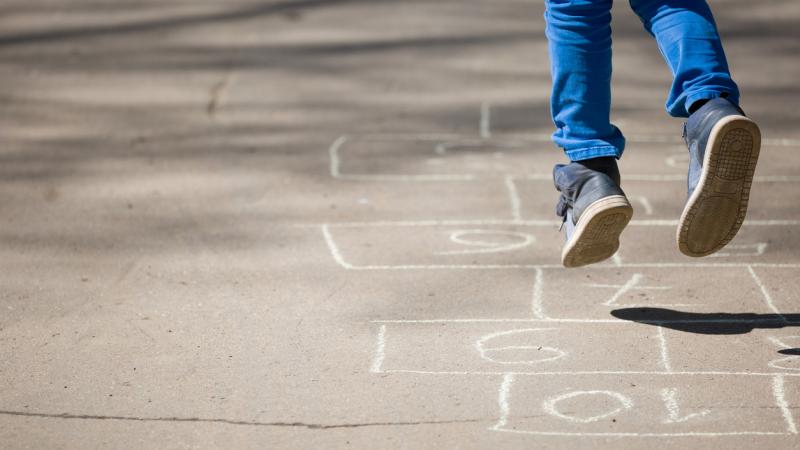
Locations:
(670, 157)
(439, 157)
(781, 285)
(651, 200)
(523, 347)
(434, 246)
(647, 293)
(644, 157)
(441, 293)
(755, 243)
(635, 405)
(663, 198)
(377, 201)
(734, 345)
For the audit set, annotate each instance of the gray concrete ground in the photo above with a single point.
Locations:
(251, 224)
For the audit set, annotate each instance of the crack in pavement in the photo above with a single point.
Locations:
(216, 95)
(310, 426)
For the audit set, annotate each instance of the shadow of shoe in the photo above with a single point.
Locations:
(707, 323)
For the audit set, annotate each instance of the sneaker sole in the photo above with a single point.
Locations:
(596, 235)
(717, 207)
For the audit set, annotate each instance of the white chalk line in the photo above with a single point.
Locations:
(482, 247)
(584, 373)
(515, 222)
(658, 305)
(633, 285)
(538, 298)
(780, 341)
(590, 321)
(514, 200)
(775, 364)
(622, 289)
(657, 177)
(780, 401)
(559, 266)
(439, 223)
(441, 148)
(641, 199)
(503, 397)
(333, 155)
(556, 353)
(670, 398)
(336, 173)
(688, 434)
(662, 341)
(537, 177)
(402, 177)
(542, 137)
(380, 351)
(453, 267)
(407, 136)
(638, 288)
(490, 320)
(486, 121)
(337, 255)
(778, 142)
(549, 405)
(765, 293)
(616, 259)
(730, 250)
(485, 133)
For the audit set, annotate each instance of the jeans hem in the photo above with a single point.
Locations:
(580, 154)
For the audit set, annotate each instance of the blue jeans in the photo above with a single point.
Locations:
(579, 36)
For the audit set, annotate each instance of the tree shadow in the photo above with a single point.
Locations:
(244, 13)
(708, 323)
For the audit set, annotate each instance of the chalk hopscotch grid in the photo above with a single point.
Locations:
(504, 393)
(504, 398)
(337, 255)
(510, 181)
(539, 316)
(443, 141)
(509, 376)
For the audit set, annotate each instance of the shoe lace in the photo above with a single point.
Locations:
(684, 133)
(561, 209)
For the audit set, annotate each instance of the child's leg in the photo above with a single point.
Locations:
(579, 36)
(687, 36)
(723, 143)
(592, 205)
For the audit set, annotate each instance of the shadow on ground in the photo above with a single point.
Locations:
(707, 323)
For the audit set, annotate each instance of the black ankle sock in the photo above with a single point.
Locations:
(600, 164)
(604, 164)
(697, 105)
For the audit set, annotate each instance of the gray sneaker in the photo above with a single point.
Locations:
(594, 209)
(723, 152)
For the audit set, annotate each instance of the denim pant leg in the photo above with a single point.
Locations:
(687, 36)
(579, 38)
